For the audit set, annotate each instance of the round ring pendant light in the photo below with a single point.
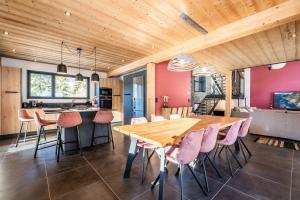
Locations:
(61, 68)
(95, 76)
(204, 70)
(181, 63)
(79, 76)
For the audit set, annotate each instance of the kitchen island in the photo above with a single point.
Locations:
(85, 129)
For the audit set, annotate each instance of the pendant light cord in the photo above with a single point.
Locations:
(61, 52)
(79, 53)
(95, 58)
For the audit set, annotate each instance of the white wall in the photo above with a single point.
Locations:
(28, 65)
(247, 86)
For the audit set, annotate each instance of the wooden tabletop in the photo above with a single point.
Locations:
(168, 132)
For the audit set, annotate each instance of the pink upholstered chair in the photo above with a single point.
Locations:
(174, 116)
(208, 144)
(227, 141)
(144, 146)
(183, 154)
(41, 124)
(68, 120)
(103, 118)
(243, 133)
(24, 118)
(157, 118)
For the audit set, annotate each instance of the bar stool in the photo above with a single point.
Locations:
(68, 120)
(24, 118)
(41, 124)
(103, 118)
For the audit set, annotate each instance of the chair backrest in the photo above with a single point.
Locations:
(232, 133)
(103, 117)
(138, 120)
(37, 119)
(23, 114)
(210, 138)
(189, 147)
(175, 116)
(245, 127)
(157, 118)
(69, 119)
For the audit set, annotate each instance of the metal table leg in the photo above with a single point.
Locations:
(162, 172)
(131, 157)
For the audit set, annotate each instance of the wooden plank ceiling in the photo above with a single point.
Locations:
(125, 30)
(279, 44)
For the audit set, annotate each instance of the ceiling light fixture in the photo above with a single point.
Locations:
(79, 76)
(13, 50)
(181, 63)
(61, 68)
(204, 70)
(277, 66)
(95, 76)
(67, 13)
(5, 33)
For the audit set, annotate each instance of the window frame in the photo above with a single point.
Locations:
(53, 88)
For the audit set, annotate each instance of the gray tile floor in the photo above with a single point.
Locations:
(272, 173)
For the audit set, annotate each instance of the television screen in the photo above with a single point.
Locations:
(287, 100)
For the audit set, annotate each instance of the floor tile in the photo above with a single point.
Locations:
(295, 195)
(296, 180)
(270, 172)
(71, 180)
(93, 191)
(258, 187)
(228, 193)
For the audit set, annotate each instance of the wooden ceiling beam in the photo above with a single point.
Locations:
(264, 20)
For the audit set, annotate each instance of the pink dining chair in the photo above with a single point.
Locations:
(157, 118)
(174, 116)
(41, 124)
(68, 120)
(229, 139)
(243, 133)
(183, 154)
(24, 118)
(207, 146)
(103, 118)
(144, 146)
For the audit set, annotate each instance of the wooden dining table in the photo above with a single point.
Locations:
(167, 133)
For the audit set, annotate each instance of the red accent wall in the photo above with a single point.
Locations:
(176, 85)
(265, 82)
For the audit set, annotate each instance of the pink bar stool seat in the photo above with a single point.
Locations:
(68, 120)
(41, 124)
(103, 118)
(183, 155)
(24, 118)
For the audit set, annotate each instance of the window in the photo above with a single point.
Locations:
(50, 85)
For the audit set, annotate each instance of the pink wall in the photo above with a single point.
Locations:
(176, 85)
(265, 82)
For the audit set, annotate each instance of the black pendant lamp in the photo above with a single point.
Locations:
(95, 76)
(79, 76)
(61, 68)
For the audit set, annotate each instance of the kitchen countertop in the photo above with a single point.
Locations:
(59, 110)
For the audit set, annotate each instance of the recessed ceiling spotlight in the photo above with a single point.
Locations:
(67, 13)
(14, 50)
(107, 67)
(123, 60)
(34, 59)
(294, 35)
(6, 33)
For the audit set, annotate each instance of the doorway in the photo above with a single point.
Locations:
(134, 96)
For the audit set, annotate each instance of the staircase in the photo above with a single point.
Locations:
(215, 93)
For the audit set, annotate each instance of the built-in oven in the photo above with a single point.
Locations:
(105, 98)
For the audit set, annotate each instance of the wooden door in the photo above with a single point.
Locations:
(11, 99)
